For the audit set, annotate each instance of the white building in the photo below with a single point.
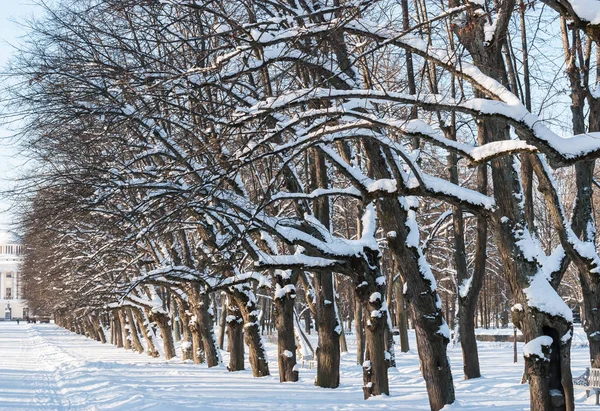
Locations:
(12, 305)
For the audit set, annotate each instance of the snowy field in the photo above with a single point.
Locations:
(43, 367)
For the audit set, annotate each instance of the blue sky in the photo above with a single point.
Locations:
(10, 162)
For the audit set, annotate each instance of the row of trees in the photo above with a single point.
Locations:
(199, 153)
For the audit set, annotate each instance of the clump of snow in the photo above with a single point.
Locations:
(387, 185)
(537, 346)
(288, 354)
(375, 296)
(489, 30)
(444, 330)
(588, 10)
(543, 297)
(465, 286)
(565, 338)
(376, 314)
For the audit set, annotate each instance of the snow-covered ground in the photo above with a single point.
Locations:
(43, 367)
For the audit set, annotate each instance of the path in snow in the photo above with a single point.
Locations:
(43, 367)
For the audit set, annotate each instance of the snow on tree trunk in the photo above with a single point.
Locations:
(124, 329)
(135, 338)
(398, 218)
(284, 299)
(246, 301)
(162, 320)
(142, 325)
(97, 325)
(199, 306)
(235, 337)
(116, 329)
(375, 367)
(514, 238)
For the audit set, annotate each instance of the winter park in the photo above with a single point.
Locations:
(299, 204)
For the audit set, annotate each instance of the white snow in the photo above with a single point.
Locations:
(375, 296)
(588, 10)
(47, 368)
(535, 347)
(543, 297)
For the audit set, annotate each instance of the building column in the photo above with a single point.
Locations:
(2, 290)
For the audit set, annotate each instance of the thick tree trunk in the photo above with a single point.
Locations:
(197, 346)
(468, 342)
(187, 345)
(511, 230)
(199, 305)
(285, 297)
(328, 348)
(124, 329)
(396, 216)
(235, 335)
(139, 318)
(135, 339)
(246, 301)
(100, 332)
(164, 324)
(116, 329)
(370, 293)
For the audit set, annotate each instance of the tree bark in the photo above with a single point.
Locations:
(126, 334)
(401, 314)
(139, 318)
(135, 339)
(360, 332)
(247, 303)
(511, 226)
(235, 335)
(116, 329)
(163, 322)
(396, 216)
(203, 323)
(285, 297)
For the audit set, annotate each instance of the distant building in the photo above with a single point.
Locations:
(12, 305)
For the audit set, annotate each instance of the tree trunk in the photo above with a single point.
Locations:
(244, 297)
(371, 294)
(285, 297)
(139, 318)
(186, 334)
(396, 216)
(135, 339)
(360, 332)
(163, 322)
(328, 348)
(401, 315)
(199, 305)
(116, 328)
(222, 322)
(235, 342)
(124, 329)
(99, 330)
(511, 230)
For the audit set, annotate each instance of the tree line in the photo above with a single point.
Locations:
(375, 161)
